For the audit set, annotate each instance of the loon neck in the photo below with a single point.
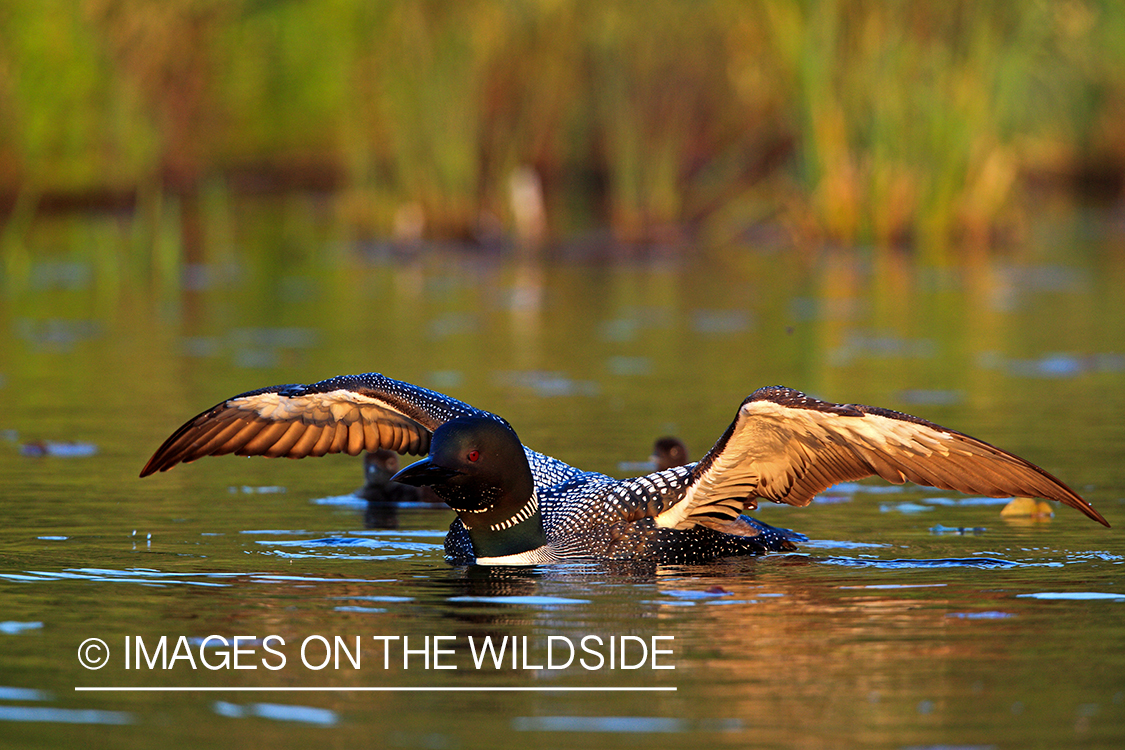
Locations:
(496, 533)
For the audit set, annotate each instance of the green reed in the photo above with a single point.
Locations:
(850, 121)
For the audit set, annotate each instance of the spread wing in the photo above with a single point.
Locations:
(347, 414)
(786, 447)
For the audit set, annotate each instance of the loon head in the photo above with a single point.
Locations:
(478, 466)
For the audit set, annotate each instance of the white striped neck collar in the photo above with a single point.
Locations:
(524, 513)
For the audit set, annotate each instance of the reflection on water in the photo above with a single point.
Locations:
(11, 627)
(1055, 364)
(277, 712)
(911, 618)
(329, 547)
(1086, 595)
(972, 562)
(64, 715)
(630, 724)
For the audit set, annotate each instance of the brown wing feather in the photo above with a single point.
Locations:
(304, 446)
(349, 414)
(786, 447)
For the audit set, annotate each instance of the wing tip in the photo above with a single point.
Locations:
(159, 463)
(1091, 512)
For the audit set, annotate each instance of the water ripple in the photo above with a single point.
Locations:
(23, 694)
(533, 601)
(697, 594)
(622, 724)
(986, 615)
(839, 544)
(1075, 596)
(11, 627)
(332, 547)
(151, 577)
(64, 715)
(952, 562)
(277, 712)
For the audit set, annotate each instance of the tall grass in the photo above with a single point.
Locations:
(851, 121)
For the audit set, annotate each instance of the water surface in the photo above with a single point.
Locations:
(913, 618)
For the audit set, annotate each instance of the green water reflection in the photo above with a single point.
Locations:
(855, 642)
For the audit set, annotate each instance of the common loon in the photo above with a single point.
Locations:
(517, 506)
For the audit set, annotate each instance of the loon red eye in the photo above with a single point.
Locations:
(474, 455)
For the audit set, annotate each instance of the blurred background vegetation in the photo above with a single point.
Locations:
(938, 126)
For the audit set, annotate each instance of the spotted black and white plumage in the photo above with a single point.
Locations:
(782, 446)
(586, 514)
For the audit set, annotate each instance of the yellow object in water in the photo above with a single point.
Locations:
(1024, 507)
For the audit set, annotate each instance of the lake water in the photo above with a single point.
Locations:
(912, 619)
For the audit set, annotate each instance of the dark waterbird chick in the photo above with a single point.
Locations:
(668, 452)
(517, 506)
(384, 497)
(379, 468)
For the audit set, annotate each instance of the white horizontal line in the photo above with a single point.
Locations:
(323, 689)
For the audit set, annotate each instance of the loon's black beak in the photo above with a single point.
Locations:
(424, 472)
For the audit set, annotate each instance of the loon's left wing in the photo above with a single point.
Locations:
(786, 447)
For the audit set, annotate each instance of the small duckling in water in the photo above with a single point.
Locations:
(384, 496)
(669, 452)
(378, 468)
